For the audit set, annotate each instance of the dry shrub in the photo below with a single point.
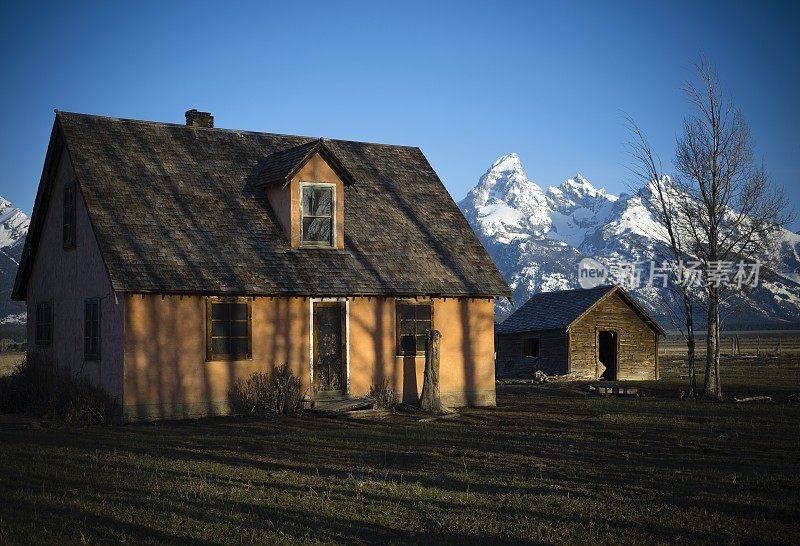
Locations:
(38, 387)
(384, 394)
(267, 394)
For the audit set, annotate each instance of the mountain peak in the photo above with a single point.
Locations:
(507, 163)
(580, 187)
(13, 225)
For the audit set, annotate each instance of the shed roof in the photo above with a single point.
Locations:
(561, 309)
(178, 209)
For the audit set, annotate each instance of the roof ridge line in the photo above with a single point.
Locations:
(225, 129)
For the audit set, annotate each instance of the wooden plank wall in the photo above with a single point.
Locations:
(510, 361)
(637, 358)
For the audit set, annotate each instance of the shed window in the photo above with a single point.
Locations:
(69, 216)
(229, 329)
(91, 329)
(531, 347)
(413, 322)
(44, 323)
(318, 215)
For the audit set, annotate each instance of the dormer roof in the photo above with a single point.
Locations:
(281, 166)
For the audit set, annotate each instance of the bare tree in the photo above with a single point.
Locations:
(664, 200)
(728, 208)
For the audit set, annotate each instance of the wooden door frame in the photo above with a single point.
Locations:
(344, 303)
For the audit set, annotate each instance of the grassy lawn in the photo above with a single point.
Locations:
(550, 464)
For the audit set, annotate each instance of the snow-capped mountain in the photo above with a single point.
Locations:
(537, 238)
(13, 229)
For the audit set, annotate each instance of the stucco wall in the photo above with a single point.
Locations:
(637, 356)
(285, 202)
(166, 373)
(68, 277)
(467, 352)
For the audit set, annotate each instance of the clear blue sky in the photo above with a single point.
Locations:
(466, 82)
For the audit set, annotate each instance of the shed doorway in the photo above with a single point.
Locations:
(607, 353)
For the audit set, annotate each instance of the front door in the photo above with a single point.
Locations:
(329, 377)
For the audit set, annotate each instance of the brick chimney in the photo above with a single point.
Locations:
(199, 119)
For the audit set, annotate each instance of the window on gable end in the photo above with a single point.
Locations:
(69, 216)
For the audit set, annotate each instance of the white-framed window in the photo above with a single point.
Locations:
(317, 214)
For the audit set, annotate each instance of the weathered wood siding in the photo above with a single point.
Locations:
(637, 354)
(553, 356)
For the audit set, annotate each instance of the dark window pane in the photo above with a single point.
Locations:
(317, 201)
(239, 346)
(406, 311)
(531, 347)
(317, 230)
(408, 344)
(238, 311)
(238, 329)
(422, 326)
(219, 311)
(406, 327)
(423, 312)
(220, 346)
(220, 328)
(420, 343)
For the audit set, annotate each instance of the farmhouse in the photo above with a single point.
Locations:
(166, 261)
(598, 333)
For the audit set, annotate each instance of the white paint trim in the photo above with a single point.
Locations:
(346, 334)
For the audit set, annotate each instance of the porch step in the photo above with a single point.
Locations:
(343, 404)
(614, 389)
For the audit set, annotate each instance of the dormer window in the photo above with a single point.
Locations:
(318, 222)
(305, 187)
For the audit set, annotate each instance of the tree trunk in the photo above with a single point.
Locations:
(430, 400)
(690, 344)
(709, 384)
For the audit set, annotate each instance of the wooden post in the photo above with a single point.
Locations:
(430, 400)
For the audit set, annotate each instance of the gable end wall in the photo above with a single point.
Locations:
(636, 359)
(68, 277)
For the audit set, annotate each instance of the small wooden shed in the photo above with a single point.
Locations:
(597, 333)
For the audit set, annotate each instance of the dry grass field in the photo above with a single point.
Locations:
(8, 360)
(551, 464)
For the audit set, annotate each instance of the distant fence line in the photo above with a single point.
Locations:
(738, 344)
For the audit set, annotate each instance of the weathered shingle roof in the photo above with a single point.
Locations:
(176, 210)
(558, 310)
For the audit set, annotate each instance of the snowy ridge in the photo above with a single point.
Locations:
(537, 238)
(13, 229)
(13, 225)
